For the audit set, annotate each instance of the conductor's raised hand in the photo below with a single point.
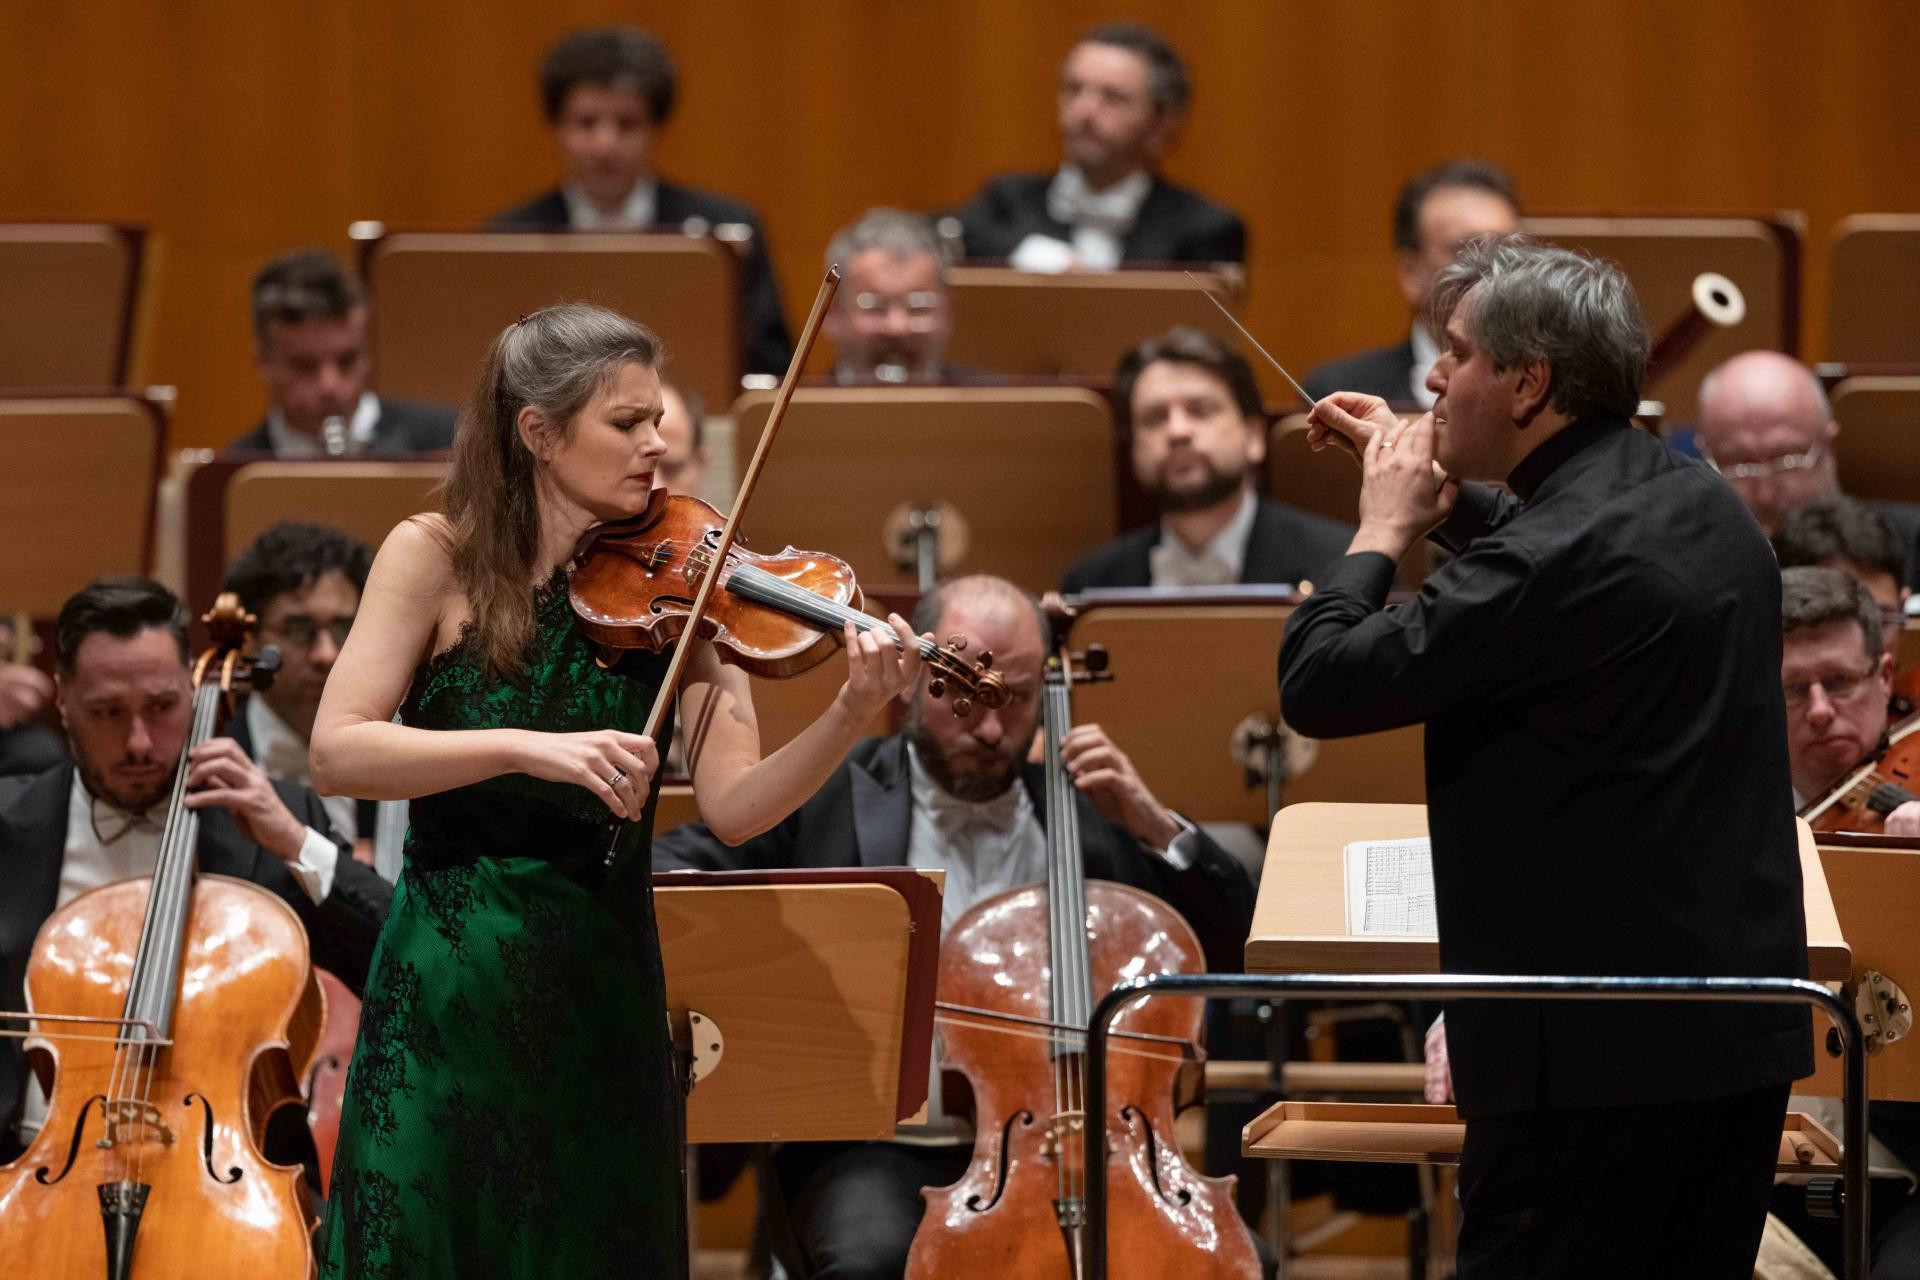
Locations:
(617, 767)
(1403, 494)
(877, 668)
(1350, 420)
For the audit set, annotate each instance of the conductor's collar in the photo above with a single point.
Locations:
(1557, 449)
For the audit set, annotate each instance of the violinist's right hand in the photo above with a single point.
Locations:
(617, 767)
(1349, 419)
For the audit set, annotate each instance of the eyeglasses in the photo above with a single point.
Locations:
(300, 632)
(1769, 467)
(921, 307)
(1838, 688)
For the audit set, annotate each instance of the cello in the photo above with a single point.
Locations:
(148, 1166)
(1018, 977)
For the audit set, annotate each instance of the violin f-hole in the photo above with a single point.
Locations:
(73, 1148)
(1023, 1119)
(1183, 1197)
(206, 1144)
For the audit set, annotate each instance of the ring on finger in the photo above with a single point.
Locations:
(618, 774)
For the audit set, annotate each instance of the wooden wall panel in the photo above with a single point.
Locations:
(238, 130)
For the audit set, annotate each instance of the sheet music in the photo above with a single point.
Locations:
(1390, 887)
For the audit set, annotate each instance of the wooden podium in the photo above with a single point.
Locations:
(1875, 882)
(804, 997)
(1300, 926)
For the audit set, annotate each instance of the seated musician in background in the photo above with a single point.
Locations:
(1121, 102)
(25, 690)
(607, 93)
(957, 793)
(1191, 411)
(683, 467)
(310, 347)
(1767, 426)
(1439, 210)
(125, 696)
(890, 319)
(1840, 533)
(303, 582)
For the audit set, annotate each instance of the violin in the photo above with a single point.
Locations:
(1018, 976)
(774, 616)
(1862, 799)
(149, 1163)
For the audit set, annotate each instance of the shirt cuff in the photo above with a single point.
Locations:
(1183, 849)
(319, 857)
(1365, 574)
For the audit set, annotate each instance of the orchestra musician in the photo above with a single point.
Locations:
(511, 1109)
(125, 697)
(303, 582)
(959, 794)
(1190, 409)
(1606, 764)
(892, 316)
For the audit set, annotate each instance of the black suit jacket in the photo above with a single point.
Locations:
(765, 345)
(862, 816)
(1285, 545)
(33, 841)
(404, 427)
(1904, 518)
(1386, 372)
(1598, 671)
(1174, 224)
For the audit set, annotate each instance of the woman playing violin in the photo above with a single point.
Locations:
(511, 1108)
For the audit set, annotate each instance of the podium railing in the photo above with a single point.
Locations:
(1853, 1156)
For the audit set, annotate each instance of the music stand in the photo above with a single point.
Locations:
(1875, 882)
(806, 998)
(441, 297)
(1877, 457)
(1023, 476)
(76, 288)
(1873, 277)
(1209, 668)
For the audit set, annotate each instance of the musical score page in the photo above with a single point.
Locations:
(1390, 887)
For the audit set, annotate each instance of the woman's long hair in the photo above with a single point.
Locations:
(554, 360)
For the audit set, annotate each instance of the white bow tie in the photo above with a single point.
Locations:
(1072, 201)
(1177, 567)
(110, 822)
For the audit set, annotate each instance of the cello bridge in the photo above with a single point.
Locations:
(131, 1111)
(1064, 1132)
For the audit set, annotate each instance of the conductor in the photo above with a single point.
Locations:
(1606, 769)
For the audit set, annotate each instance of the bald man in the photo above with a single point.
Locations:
(1766, 425)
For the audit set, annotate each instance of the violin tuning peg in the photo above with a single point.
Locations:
(957, 643)
(985, 659)
(962, 706)
(936, 686)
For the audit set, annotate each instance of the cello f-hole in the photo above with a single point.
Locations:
(1183, 1197)
(1023, 1119)
(206, 1143)
(73, 1149)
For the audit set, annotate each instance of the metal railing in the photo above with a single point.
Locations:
(1426, 986)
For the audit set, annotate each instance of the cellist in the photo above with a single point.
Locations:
(958, 794)
(124, 695)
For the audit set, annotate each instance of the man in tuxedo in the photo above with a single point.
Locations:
(310, 348)
(1438, 211)
(125, 697)
(1192, 414)
(683, 467)
(1767, 426)
(890, 320)
(303, 582)
(1121, 101)
(957, 793)
(608, 92)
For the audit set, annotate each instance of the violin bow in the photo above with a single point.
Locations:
(711, 578)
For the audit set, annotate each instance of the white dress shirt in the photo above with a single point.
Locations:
(1171, 563)
(1425, 352)
(288, 443)
(281, 754)
(106, 844)
(1100, 222)
(637, 210)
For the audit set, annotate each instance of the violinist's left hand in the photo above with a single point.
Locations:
(1103, 773)
(219, 775)
(877, 671)
(1905, 821)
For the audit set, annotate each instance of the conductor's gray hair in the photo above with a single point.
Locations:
(899, 233)
(1536, 302)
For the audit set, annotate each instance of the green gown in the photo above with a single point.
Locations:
(510, 1111)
